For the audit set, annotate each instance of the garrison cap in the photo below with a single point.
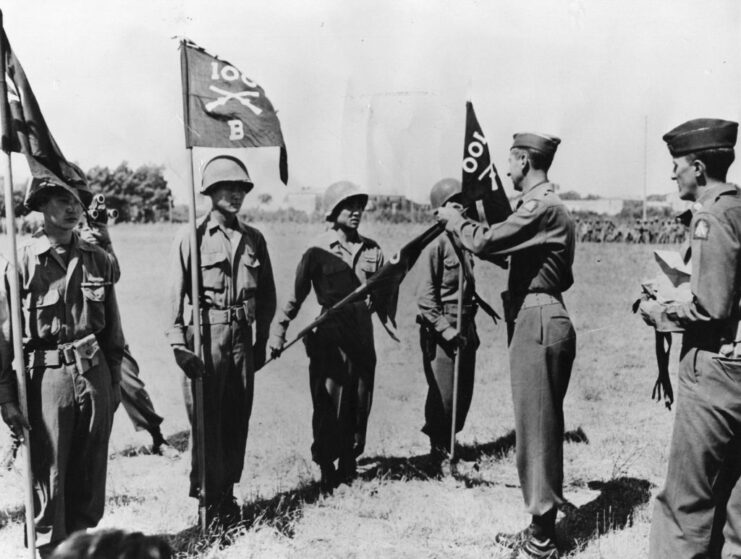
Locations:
(225, 168)
(543, 143)
(700, 134)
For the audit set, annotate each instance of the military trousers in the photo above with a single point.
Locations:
(228, 388)
(542, 348)
(342, 365)
(135, 398)
(438, 360)
(71, 415)
(698, 512)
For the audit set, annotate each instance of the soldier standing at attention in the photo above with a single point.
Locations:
(698, 513)
(440, 335)
(539, 237)
(342, 356)
(237, 299)
(73, 347)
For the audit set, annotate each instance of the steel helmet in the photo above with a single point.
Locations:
(339, 192)
(224, 168)
(444, 190)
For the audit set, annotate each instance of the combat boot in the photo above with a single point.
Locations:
(513, 541)
(161, 447)
(535, 548)
(347, 470)
(329, 477)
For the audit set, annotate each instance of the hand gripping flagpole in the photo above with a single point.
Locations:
(199, 425)
(15, 301)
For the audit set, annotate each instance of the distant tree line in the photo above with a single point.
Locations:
(140, 195)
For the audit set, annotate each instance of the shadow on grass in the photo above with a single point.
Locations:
(179, 441)
(280, 512)
(612, 510)
(423, 467)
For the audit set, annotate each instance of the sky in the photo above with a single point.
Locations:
(374, 92)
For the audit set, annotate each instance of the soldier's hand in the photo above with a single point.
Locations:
(96, 235)
(188, 362)
(276, 344)
(446, 213)
(454, 337)
(650, 309)
(14, 419)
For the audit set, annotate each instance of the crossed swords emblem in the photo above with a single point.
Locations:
(242, 96)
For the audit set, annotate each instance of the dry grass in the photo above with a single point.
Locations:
(397, 508)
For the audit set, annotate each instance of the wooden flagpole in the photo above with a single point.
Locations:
(15, 305)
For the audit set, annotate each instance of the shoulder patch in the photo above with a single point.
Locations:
(530, 206)
(702, 228)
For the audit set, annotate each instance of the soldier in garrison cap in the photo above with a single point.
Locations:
(539, 238)
(441, 337)
(237, 297)
(73, 346)
(341, 351)
(698, 513)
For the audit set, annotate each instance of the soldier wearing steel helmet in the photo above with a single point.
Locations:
(342, 356)
(441, 337)
(237, 303)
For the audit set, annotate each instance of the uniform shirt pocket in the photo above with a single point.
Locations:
(252, 268)
(93, 307)
(451, 265)
(213, 270)
(43, 313)
(369, 263)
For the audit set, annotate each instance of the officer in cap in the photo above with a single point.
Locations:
(700, 505)
(73, 346)
(441, 337)
(539, 237)
(237, 302)
(342, 356)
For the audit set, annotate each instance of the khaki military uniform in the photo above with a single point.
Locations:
(342, 356)
(237, 302)
(539, 237)
(73, 348)
(437, 300)
(698, 513)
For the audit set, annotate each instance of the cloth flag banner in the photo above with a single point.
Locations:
(24, 129)
(481, 184)
(223, 108)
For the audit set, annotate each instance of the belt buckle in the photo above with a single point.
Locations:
(67, 354)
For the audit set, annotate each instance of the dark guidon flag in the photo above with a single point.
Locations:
(481, 183)
(223, 108)
(24, 129)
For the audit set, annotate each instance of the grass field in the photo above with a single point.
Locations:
(613, 467)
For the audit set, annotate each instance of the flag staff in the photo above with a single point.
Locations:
(15, 298)
(199, 421)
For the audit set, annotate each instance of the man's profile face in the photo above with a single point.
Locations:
(517, 162)
(227, 197)
(685, 173)
(62, 210)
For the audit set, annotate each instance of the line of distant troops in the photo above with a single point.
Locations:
(74, 345)
(643, 231)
